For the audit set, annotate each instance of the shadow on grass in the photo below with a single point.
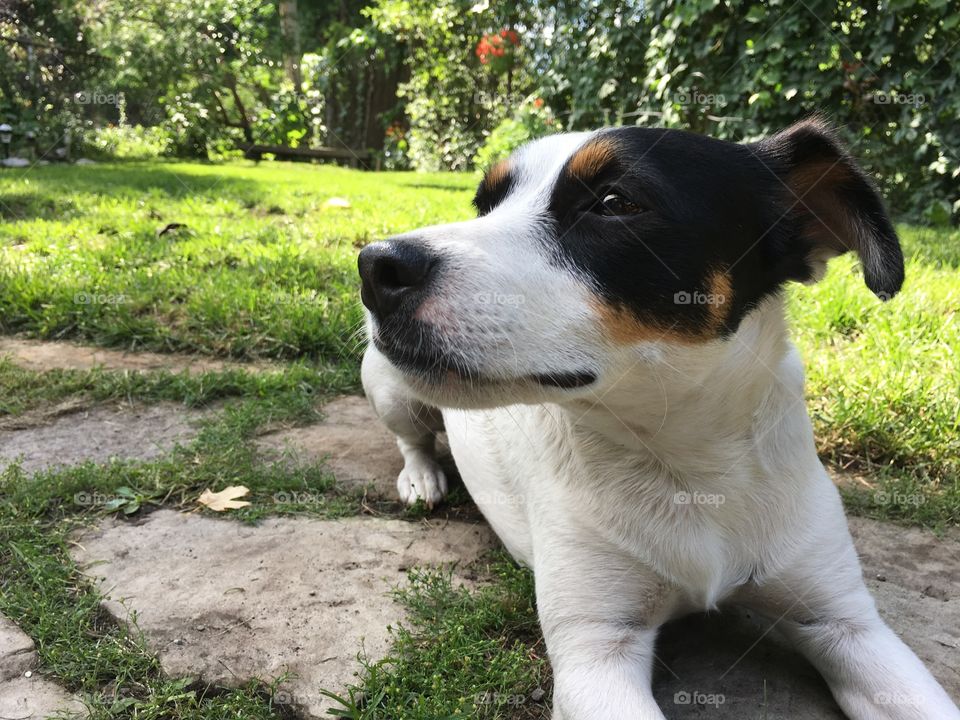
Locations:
(34, 206)
(138, 179)
(438, 186)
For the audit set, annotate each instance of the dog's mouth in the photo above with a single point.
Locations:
(565, 380)
(439, 369)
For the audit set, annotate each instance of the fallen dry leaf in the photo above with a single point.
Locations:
(226, 499)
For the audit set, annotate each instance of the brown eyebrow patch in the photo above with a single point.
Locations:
(496, 173)
(494, 187)
(590, 160)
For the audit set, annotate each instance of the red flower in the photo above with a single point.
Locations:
(538, 102)
(497, 45)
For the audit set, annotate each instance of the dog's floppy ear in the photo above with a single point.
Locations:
(832, 207)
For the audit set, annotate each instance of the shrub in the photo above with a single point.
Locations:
(532, 120)
(129, 142)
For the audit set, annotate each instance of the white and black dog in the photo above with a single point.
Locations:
(606, 348)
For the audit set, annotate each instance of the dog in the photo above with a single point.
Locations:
(605, 346)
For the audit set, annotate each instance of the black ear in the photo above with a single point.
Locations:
(832, 207)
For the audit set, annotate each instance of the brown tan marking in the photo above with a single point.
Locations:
(587, 162)
(720, 297)
(622, 326)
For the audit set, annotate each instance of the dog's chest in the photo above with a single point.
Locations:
(702, 535)
(691, 534)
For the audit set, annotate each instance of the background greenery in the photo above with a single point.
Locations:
(410, 78)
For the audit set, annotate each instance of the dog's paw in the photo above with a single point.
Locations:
(422, 480)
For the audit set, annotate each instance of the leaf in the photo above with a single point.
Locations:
(225, 499)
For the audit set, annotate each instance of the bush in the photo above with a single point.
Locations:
(531, 121)
(129, 142)
(886, 76)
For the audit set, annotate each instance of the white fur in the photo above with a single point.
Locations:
(685, 477)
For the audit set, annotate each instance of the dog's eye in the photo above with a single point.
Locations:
(614, 204)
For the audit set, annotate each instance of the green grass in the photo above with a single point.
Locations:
(460, 654)
(883, 379)
(263, 269)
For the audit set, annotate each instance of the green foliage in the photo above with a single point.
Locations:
(589, 59)
(45, 62)
(532, 120)
(443, 75)
(886, 73)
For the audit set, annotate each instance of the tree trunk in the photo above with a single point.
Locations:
(290, 29)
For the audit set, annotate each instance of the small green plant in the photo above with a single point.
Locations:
(532, 120)
(126, 500)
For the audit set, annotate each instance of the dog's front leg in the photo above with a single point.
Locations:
(826, 609)
(599, 612)
(414, 423)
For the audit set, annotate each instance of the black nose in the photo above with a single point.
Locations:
(391, 272)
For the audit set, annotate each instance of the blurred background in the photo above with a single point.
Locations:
(453, 84)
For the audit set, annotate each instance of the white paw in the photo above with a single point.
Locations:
(422, 480)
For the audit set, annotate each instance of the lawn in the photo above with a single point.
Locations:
(262, 266)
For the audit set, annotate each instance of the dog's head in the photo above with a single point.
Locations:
(592, 247)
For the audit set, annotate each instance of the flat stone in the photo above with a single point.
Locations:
(225, 602)
(915, 578)
(35, 697)
(732, 666)
(17, 654)
(356, 447)
(24, 693)
(42, 355)
(99, 434)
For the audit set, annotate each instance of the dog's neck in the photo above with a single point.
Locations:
(691, 406)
